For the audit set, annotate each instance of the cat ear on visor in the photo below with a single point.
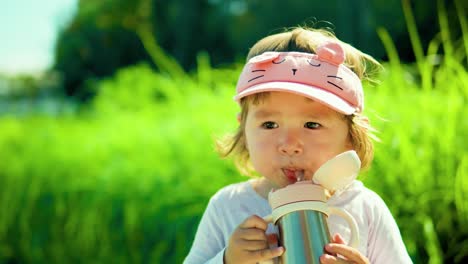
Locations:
(265, 57)
(331, 52)
(322, 77)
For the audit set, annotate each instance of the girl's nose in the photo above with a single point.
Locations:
(290, 144)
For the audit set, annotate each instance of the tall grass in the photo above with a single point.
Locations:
(429, 167)
(127, 178)
(122, 182)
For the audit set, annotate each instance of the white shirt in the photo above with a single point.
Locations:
(379, 237)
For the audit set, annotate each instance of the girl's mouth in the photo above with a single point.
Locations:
(294, 175)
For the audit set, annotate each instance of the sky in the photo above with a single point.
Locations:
(28, 31)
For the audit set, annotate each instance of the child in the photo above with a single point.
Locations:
(301, 104)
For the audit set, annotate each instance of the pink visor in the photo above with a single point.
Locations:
(321, 77)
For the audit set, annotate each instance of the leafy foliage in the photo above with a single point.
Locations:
(128, 179)
(123, 182)
(106, 35)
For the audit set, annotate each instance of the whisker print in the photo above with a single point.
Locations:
(260, 76)
(333, 76)
(335, 85)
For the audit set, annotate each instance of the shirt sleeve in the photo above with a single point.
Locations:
(385, 244)
(208, 245)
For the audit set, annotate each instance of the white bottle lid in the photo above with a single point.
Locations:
(338, 172)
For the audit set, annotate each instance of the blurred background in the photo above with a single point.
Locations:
(109, 110)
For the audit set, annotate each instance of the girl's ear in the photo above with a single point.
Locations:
(239, 117)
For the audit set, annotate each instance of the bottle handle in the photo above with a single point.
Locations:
(354, 240)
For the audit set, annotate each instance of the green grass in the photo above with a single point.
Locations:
(118, 183)
(419, 167)
(126, 179)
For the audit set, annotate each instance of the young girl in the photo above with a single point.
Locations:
(301, 104)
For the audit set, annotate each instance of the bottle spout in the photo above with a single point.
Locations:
(300, 176)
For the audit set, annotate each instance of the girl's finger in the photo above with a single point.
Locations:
(337, 238)
(253, 245)
(266, 254)
(252, 234)
(329, 259)
(347, 252)
(254, 221)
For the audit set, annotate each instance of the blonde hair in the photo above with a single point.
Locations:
(304, 40)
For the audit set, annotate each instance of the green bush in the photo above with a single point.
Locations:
(127, 178)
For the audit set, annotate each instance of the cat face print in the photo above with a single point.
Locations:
(321, 76)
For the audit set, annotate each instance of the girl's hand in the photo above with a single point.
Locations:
(346, 253)
(249, 243)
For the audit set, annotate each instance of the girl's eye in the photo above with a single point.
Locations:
(269, 125)
(311, 125)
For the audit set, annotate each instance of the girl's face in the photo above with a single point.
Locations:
(289, 137)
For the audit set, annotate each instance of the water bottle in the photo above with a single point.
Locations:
(300, 211)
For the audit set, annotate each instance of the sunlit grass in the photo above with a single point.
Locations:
(126, 179)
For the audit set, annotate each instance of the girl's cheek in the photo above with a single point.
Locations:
(261, 146)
